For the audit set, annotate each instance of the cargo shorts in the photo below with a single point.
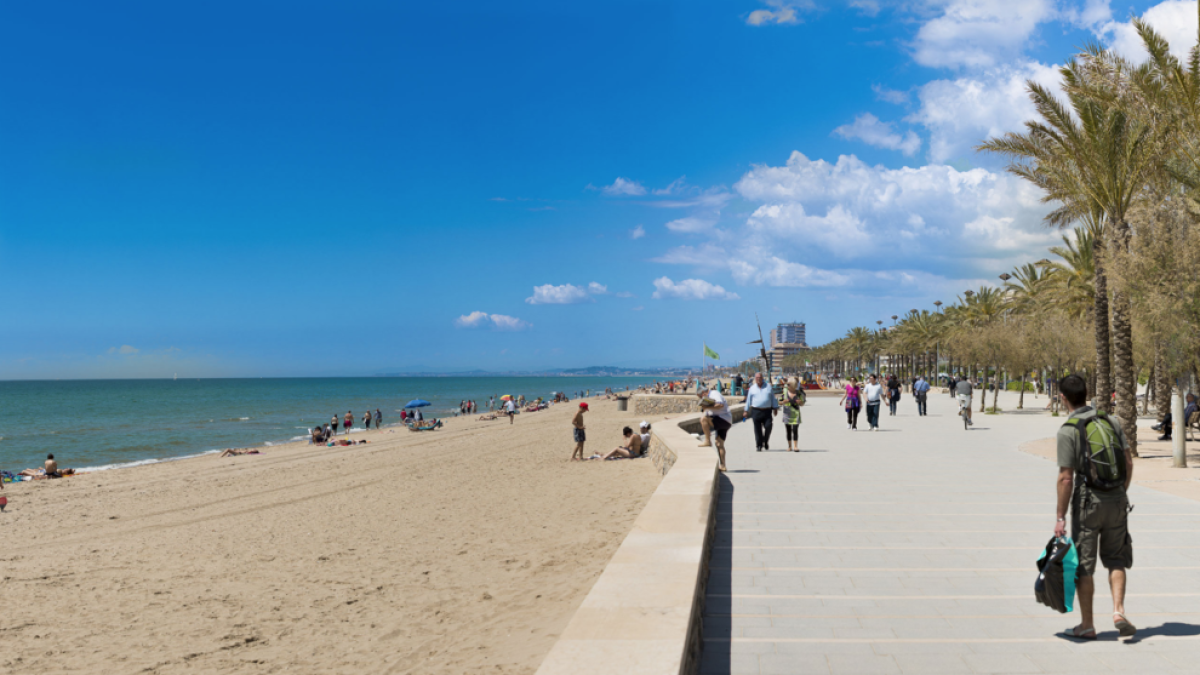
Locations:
(1100, 526)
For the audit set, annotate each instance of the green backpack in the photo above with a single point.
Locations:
(1102, 456)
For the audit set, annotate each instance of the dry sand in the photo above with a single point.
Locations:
(465, 549)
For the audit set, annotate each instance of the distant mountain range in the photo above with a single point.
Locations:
(590, 371)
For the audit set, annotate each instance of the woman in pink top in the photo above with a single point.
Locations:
(853, 400)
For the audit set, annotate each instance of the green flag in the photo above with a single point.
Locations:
(710, 353)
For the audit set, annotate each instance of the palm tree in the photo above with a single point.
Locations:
(1090, 158)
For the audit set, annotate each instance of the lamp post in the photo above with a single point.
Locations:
(1003, 277)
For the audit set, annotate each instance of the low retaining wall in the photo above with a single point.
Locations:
(643, 614)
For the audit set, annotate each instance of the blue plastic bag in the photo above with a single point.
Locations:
(1055, 585)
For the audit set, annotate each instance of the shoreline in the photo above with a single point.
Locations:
(145, 441)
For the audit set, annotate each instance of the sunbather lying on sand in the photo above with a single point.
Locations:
(233, 452)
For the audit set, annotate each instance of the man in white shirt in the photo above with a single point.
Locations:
(510, 409)
(761, 404)
(720, 417)
(873, 392)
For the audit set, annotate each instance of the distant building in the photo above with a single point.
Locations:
(789, 334)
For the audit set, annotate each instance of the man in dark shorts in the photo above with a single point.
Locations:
(580, 432)
(713, 406)
(1099, 519)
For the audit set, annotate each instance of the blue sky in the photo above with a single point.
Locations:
(261, 188)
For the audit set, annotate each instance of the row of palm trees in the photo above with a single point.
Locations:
(1119, 159)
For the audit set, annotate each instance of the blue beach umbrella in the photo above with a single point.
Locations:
(417, 403)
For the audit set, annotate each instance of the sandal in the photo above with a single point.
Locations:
(1089, 634)
(1126, 629)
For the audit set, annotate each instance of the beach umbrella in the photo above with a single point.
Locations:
(417, 403)
(506, 397)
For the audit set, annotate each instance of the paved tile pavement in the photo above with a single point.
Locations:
(913, 549)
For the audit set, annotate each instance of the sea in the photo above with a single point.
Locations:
(92, 425)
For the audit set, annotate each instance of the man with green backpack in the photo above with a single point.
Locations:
(1095, 469)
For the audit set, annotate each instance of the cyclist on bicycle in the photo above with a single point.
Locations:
(964, 389)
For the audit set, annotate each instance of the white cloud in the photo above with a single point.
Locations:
(1175, 20)
(637, 232)
(675, 187)
(979, 33)
(509, 323)
(691, 224)
(566, 294)
(870, 130)
(123, 349)
(623, 186)
(960, 113)
(839, 230)
(889, 95)
(497, 321)
(914, 213)
(472, 320)
(1094, 13)
(690, 289)
(769, 270)
(866, 7)
(781, 13)
(597, 289)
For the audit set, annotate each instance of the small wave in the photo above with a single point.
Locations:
(142, 462)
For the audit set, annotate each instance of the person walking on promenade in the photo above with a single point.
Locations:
(893, 393)
(580, 433)
(874, 394)
(761, 404)
(1095, 470)
(853, 402)
(720, 419)
(921, 393)
(964, 390)
(793, 400)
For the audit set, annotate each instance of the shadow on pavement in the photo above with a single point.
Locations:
(1171, 629)
(715, 657)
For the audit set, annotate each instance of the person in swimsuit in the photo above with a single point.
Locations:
(349, 421)
(631, 449)
(334, 424)
(378, 418)
(52, 467)
(367, 420)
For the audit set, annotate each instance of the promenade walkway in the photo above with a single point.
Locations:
(912, 550)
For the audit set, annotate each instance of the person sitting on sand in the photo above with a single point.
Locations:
(631, 449)
(318, 436)
(233, 452)
(52, 467)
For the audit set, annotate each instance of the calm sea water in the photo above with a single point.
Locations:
(93, 424)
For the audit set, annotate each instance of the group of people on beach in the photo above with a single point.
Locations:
(635, 444)
(323, 434)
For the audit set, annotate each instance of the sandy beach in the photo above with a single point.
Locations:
(465, 549)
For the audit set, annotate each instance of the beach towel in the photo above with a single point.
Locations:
(1055, 585)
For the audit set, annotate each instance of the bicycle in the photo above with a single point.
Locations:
(964, 411)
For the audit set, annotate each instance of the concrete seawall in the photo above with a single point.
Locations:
(643, 614)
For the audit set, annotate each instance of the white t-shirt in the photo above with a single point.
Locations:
(510, 406)
(874, 392)
(646, 442)
(723, 411)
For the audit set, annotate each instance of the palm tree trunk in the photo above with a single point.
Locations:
(1021, 399)
(1122, 348)
(996, 392)
(1162, 384)
(1103, 389)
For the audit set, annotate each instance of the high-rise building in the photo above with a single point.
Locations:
(788, 333)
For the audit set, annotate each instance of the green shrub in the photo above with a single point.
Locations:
(1016, 386)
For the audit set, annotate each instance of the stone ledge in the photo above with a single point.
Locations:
(643, 614)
